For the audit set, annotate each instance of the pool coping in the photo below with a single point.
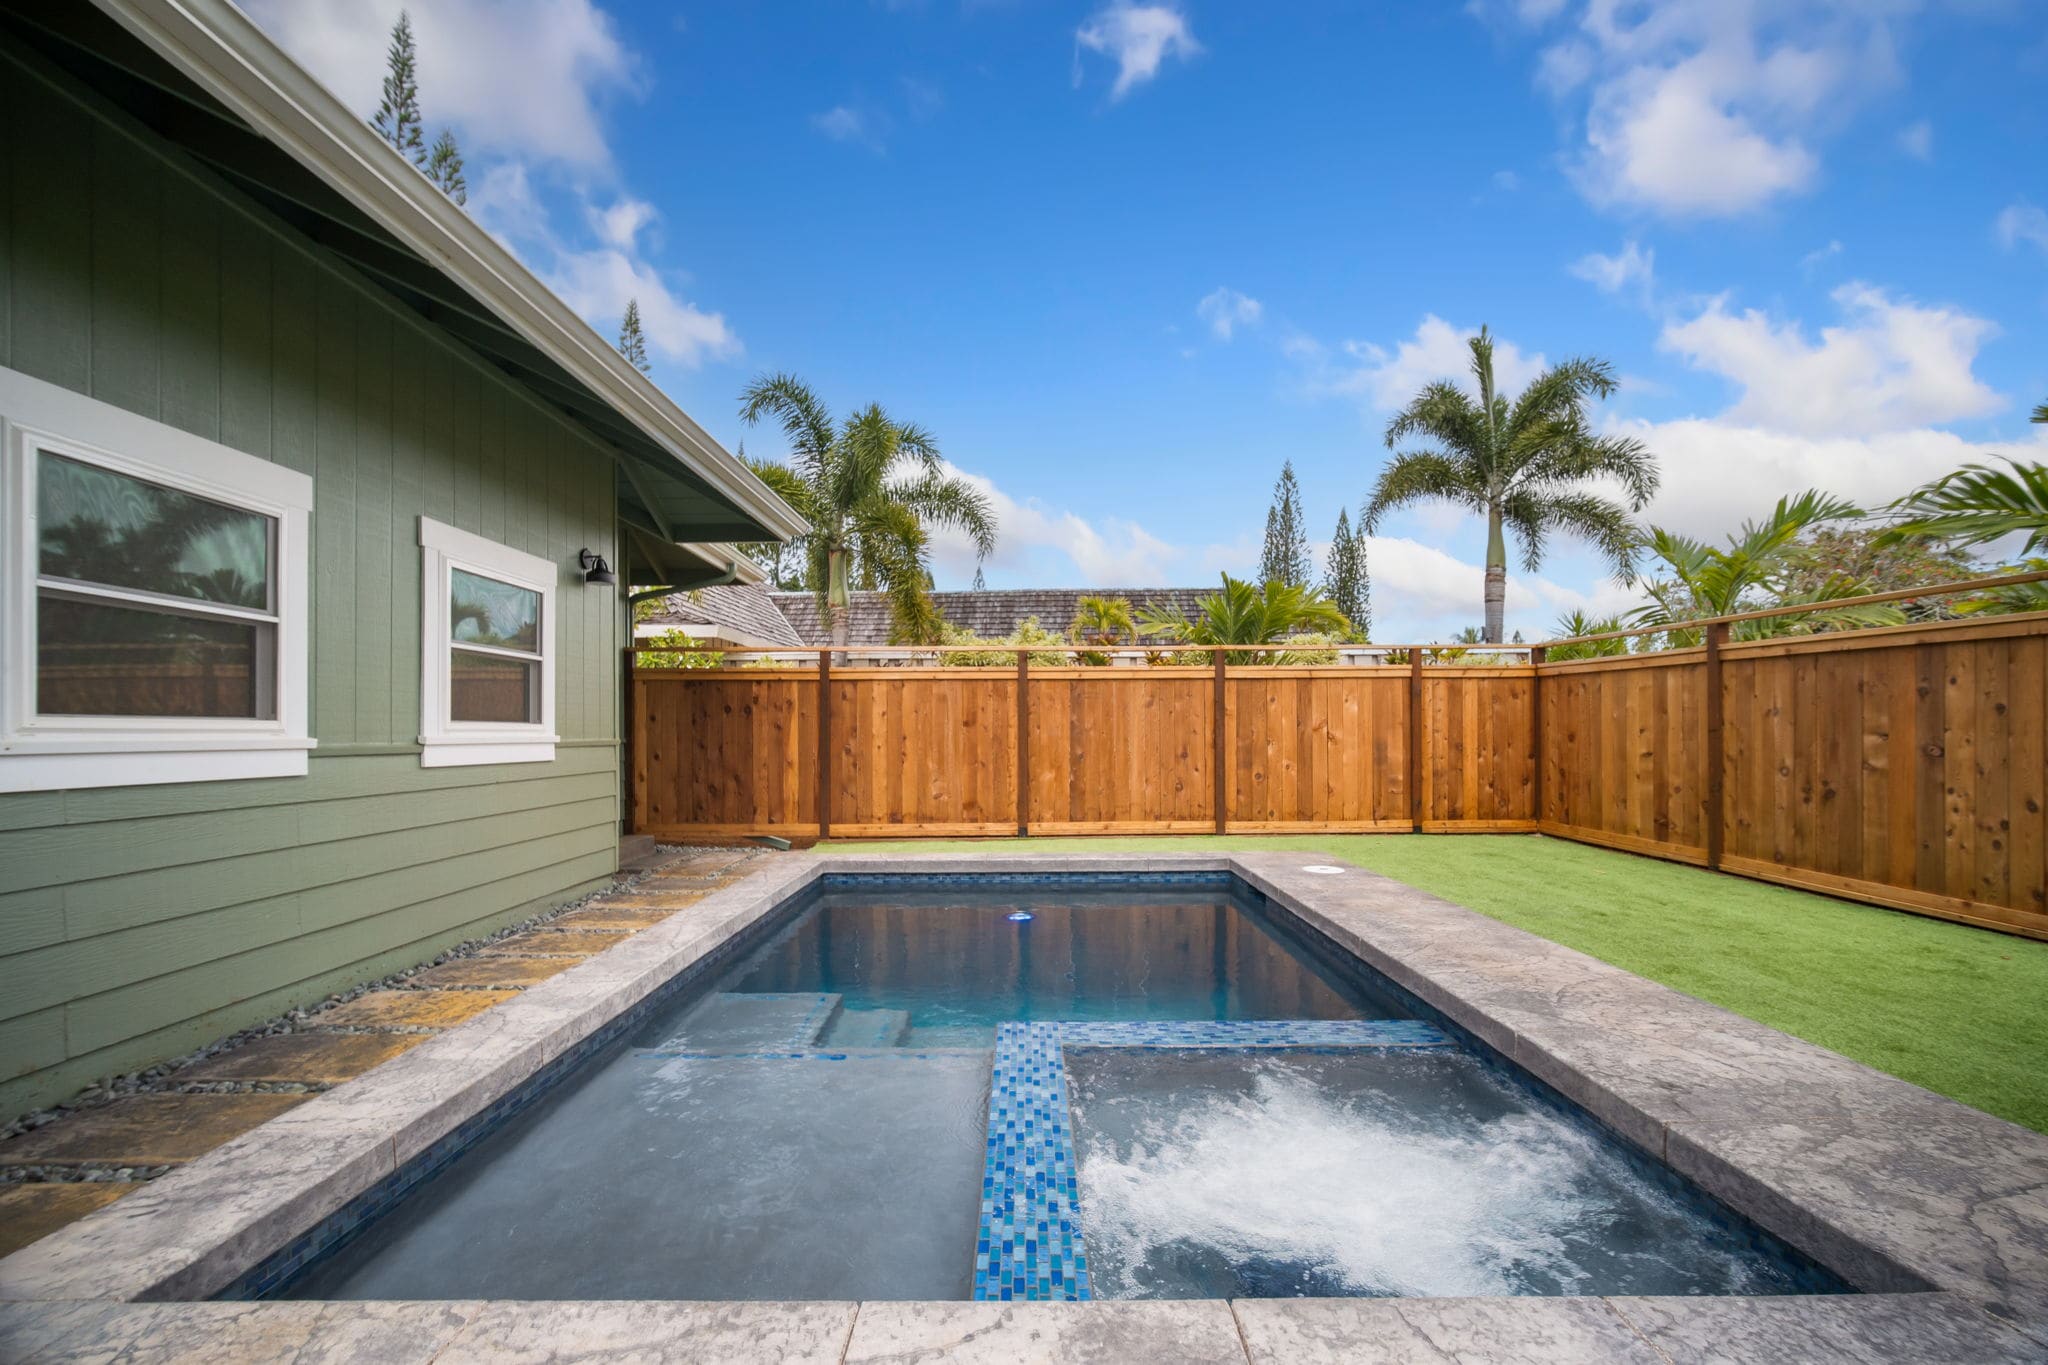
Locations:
(1919, 1199)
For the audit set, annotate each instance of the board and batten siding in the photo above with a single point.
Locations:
(137, 923)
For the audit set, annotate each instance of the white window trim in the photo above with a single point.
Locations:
(54, 753)
(446, 743)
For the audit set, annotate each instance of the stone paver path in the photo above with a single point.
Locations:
(577, 943)
(165, 1127)
(409, 1009)
(306, 1058)
(145, 1130)
(492, 972)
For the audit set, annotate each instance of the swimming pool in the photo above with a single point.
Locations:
(1033, 1087)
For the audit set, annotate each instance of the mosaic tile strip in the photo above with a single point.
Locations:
(1029, 1243)
(1259, 1033)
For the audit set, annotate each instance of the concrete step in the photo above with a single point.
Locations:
(732, 1022)
(869, 1028)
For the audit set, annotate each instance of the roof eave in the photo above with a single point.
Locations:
(217, 47)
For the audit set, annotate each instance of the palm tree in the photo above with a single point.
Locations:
(1101, 621)
(1523, 466)
(1575, 623)
(870, 486)
(1241, 614)
(1751, 572)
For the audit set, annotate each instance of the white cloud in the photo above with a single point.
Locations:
(1710, 108)
(522, 78)
(2022, 223)
(1048, 545)
(1917, 140)
(1631, 266)
(620, 225)
(1423, 593)
(1507, 182)
(1388, 379)
(1226, 310)
(1889, 365)
(1719, 472)
(1818, 257)
(1139, 38)
(844, 123)
(597, 280)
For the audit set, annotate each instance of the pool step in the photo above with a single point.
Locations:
(869, 1028)
(733, 1022)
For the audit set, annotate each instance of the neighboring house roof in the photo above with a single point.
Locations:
(739, 615)
(210, 82)
(991, 613)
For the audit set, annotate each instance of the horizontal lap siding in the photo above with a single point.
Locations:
(136, 922)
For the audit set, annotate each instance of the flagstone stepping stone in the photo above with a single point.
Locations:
(492, 972)
(409, 1009)
(144, 1130)
(606, 916)
(638, 899)
(31, 1212)
(578, 943)
(313, 1058)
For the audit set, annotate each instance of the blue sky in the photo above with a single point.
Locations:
(1126, 259)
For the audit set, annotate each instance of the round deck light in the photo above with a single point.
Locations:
(1322, 869)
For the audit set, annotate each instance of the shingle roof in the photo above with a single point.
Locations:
(991, 614)
(750, 611)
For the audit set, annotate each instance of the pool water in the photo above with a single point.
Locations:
(1043, 1088)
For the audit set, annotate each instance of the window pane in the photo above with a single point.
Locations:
(483, 611)
(101, 527)
(485, 687)
(98, 660)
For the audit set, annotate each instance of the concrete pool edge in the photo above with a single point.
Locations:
(1892, 1186)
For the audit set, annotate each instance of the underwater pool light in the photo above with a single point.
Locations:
(1018, 916)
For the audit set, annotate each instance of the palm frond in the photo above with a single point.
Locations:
(804, 418)
(1977, 504)
(944, 500)
(1418, 474)
(1445, 413)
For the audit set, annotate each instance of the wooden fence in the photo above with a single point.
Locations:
(1904, 767)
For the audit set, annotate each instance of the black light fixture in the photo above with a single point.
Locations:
(595, 570)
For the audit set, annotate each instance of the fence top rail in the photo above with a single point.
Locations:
(1438, 653)
(1870, 599)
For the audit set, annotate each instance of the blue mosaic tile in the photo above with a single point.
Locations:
(1028, 1246)
(1246, 1034)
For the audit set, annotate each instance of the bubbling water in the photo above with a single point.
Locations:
(1292, 1185)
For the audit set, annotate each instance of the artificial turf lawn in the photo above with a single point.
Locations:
(1959, 1010)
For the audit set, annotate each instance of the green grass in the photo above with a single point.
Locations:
(1959, 1010)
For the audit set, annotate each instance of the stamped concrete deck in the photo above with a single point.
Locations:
(1942, 1211)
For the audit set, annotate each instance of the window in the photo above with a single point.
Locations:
(155, 594)
(487, 684)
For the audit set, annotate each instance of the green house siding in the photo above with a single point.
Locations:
(138, 922)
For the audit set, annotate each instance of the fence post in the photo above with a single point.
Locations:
(1220, 724)
(1717, 635)
(1536, 657)
(1023, 744)
(1415, 737)
(824, 745)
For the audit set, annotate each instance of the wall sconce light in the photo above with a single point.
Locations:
(595, 570)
